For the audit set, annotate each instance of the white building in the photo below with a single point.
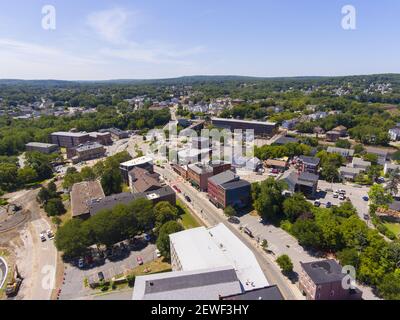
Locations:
(202, 248)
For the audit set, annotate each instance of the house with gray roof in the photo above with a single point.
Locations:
(322, 280)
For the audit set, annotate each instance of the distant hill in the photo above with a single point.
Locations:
(189, 80)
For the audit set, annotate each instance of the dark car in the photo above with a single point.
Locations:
(188, 199)
(234, 220)
(101, 276)
(328, 204)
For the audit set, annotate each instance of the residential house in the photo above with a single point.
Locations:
(342, 130)
(304, 182)
(278, 164)
(345, 153)
(390, 167)
(309, 164)
(332, 136)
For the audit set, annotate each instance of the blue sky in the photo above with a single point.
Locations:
(118, 39)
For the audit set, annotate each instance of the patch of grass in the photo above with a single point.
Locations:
(66, 216)
(187, 220)
(155, 266)
(393, 227)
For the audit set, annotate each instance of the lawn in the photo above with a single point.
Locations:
(155, 266)
(187, 220)
(394, 227)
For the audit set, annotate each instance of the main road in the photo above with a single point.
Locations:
(211, 216)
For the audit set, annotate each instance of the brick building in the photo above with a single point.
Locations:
(322, 280)
(226, 189)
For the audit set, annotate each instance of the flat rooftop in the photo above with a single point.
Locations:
(208, 284)
(41, 145)
(266, 123)
(202, 248)
(137, 161)
(83, 194)
(70, 134)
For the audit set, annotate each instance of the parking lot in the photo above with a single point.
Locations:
(353, 192)
(73, 286)
(279, 241)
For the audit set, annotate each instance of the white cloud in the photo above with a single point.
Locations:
(115, 25)
(112, 25)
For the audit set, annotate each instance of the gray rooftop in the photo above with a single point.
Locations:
(325, 271)
(224, 177)
(310, 160)
(285, 140)
(209, 284)
(235, 184)
(267, 293)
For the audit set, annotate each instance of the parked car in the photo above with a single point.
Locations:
(188, 199)
(317, 203)
(139, 260)
(147, 237)
(101, 276)
(328, 204)
(43, 236)
(342, 197)
(248, 232)
(158, 253)
(81, 263)
(365, 198)
(336, 195)
(234, 220)
(50, 234)
(366, 216)
(177, 189)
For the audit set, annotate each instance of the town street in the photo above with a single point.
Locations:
(279, 241)
(207, 212)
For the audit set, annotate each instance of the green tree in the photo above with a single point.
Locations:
(54, 207)
(230, 211)
(389, 287)
(343, 144)
(72, 238)
(27, 175)
(295, 206)
(308, 233)
(163, 243)
(87, 174)
(378, 196)
(285, 263)
(349, 257)
(164, 212)
(111, 181)
(270, 199)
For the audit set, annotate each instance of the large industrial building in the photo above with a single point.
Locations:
(41, 147)
(260, 128)
(69, 139)
(201, 248)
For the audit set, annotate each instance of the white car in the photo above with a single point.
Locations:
(342, 197)
(335, 195)
(43, 236)
(158, 253)
(50, 234)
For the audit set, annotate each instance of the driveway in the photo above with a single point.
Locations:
(73, 287)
